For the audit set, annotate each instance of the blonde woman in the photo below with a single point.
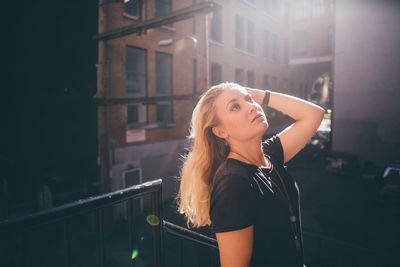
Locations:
(237, 184)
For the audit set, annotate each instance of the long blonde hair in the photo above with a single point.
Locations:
(201, 163)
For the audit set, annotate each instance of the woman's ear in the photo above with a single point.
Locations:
(219, 132)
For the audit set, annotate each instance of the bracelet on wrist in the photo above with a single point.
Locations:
(266, 98)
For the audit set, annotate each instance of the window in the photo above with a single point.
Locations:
(274, 7)
(164, 112)
(194, 77)
(291, 87)
(216, 74)
(131, 7)
(275, 48)
(216, 26)
(267, 6)
(239, 32)
(274, 84)
(162, 7)
(250, 79)
(285, 88)
(331, 6)
(300, 42)
(266, 43)
(239, 76)
(194, 25)
(136, 115)
(306, 91)
(271, 7)
(135, 69)
(194, 20)
(244, 37)
(318, 8)
(286, 55)
(330, 38)
(300, 93)
(266, 82)
(300, 9)
(253, 2)
(250, 37)
(164, 86)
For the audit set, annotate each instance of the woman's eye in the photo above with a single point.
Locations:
(235, 107)
(249, 98)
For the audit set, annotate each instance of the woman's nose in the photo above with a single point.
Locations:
(252, 108)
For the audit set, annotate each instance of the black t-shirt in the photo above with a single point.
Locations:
(243, 195)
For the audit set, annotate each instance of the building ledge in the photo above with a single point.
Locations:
(168, 28)
(150, 126)
(129, 16)
(245, 52)
(310, 60)
(249, 4)
(216, 43)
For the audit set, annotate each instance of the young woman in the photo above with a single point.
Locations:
(238, 184)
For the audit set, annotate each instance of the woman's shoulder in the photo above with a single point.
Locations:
(233, 170)
(232, 167)
(272, 147)
(232, 175)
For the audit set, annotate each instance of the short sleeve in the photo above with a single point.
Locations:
(273, 147)
(232, 204)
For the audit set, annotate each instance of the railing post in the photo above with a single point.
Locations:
(67, 252)
(180, 252)
(160, 225)
(101, 238)
(24, 261)
(156, 208)
(130, 230)
(156, 258)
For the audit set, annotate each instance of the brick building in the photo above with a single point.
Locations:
(312, 40)
(260, 44)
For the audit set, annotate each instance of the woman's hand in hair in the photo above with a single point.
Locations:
(257, 94)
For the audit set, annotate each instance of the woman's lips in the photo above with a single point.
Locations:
(256, 117)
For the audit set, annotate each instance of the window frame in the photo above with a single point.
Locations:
(318, 8)
(142, 93)
(158, 93)
(216, 23)
(241, 74)
(218, 66)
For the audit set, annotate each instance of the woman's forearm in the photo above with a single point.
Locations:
(307, 116)
(294, 107)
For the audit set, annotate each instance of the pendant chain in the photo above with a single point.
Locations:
(293, 218)
(248, 159)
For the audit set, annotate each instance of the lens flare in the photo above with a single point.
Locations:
(153, 220)
(141, 238)
(135, 253)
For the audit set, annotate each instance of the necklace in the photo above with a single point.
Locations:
(285, 193)
(269, 162)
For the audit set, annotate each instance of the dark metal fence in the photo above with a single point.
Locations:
(23, 225)
(319, 250)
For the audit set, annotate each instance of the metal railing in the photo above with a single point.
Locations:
(319, 250)
(23, 225)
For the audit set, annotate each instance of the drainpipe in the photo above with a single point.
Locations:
(103, 157)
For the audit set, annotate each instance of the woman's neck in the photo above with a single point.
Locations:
(249, 152)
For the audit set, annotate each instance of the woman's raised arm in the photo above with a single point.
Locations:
(308, 117)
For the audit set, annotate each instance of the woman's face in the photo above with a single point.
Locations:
(241, 118)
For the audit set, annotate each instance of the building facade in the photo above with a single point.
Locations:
(254, 43)
(311, 45)
(367, 81)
